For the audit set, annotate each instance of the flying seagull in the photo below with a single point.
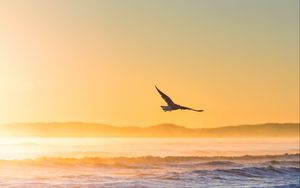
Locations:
(171, 105)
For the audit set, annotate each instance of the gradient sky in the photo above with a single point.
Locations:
(98, 61)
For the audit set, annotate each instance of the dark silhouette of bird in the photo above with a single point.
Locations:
(171, 105)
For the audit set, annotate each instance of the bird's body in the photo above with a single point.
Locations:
(171, 105)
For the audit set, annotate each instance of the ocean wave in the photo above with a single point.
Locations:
(255, 176)
(284, 162)
(129, 162)
(152, 172)
(283, 186)
(260, 171)
(253, 173)
(221, 163)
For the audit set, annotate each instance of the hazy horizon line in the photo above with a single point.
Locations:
(145, 126)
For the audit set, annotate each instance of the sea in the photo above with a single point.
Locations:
(149, 162)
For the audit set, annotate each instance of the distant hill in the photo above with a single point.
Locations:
(77, 129)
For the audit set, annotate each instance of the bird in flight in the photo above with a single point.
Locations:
(171, 105)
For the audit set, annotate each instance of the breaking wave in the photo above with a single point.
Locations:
(254, 171)
(267, 160)
(250, 171)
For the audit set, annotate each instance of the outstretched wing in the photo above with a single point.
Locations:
(165, 97)
(187, 108)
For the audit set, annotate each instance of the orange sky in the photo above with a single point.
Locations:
(98, 61)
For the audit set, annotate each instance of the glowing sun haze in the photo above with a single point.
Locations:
(98, 61)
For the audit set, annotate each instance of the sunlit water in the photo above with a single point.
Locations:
(149, 162)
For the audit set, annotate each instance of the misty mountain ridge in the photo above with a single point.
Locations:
(79, 129)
